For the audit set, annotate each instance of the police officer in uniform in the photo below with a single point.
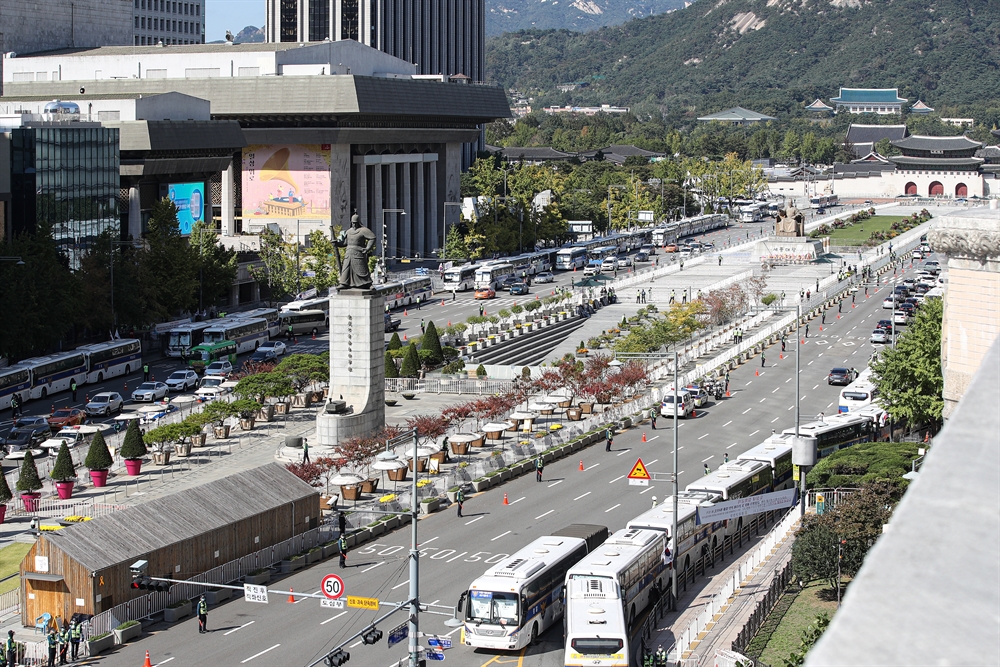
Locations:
(10, 648)
(75, 635)
(145, 372)
(52, 641)
(343, 551)
(609, 440)
(459, 500)
(202, 615)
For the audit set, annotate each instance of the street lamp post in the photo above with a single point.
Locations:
(444, 223)
(111, 260)
(385, 235)
(20, 262)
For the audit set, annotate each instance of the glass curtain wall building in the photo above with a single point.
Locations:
(68, 178)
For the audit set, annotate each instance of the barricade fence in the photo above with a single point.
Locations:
(763, 608)
(10, 602)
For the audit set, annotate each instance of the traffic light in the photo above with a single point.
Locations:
(141, 582)
(372, 636)
(337, 658)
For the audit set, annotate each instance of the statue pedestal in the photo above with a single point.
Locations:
(787, 250)
(357, 366)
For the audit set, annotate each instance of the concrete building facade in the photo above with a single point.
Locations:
(167, 22)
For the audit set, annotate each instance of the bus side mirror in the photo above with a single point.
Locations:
(461, 601)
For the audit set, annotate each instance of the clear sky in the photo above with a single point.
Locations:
(234, 15)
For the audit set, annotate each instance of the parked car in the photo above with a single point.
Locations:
(880, 336)
(223, 367)
(889, 303)
(841, 376)
(27, 431)
(391, 323)
(884, 324)
(670, 247)
(211, 386)
(276, 345)
(485, 293)
(609, 265)
(932, 267)
(908, 308)
(545, 277)
(698, 395)
(685, 406)
(507, 281)
(153, 391)
(624, 262)
(648, 248)
(104, 404)
(66, 417)
(518, 288)
(917, 254)
(182, 381)
(591, 270)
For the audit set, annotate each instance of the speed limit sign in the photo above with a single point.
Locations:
(333, 586)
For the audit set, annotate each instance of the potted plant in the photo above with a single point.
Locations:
(218, 412)
(64, 472)
(429, 505)
(177, 611)
(100, 643)
(156, 439)
(126, 631)
(133, 449)
(98, 461)
(214, 596)
(195, 426)
(28, 483)
(303, 370)
(246, 409)
(258, 577)
(5, 496)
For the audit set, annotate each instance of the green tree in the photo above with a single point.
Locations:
(5, 492)
(168, 265)
(27, 480)
(279, 271)
(814, 552)
(63, 469)
(908, 376)
(454, 244)
(132, 446)
(216, 265)
(394, 342)
(390, 366)
(98, 456)
(431, 342)
(259, 386)
(318, 259)
(305, 369)
(411, 362)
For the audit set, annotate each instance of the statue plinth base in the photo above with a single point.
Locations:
(294, 454)
(357, 366)
(787, 250)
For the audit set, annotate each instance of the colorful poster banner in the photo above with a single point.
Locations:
(286, 181)
(189, 198)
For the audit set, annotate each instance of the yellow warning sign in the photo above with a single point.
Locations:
(639, 474)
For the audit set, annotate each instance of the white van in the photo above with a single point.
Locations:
(609, 264)
(685, 403)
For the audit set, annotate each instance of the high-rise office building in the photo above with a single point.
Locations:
(439, 36)
(167, 21)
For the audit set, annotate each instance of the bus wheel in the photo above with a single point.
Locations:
(631, 618)
(45, 392)
(100, 377)
(128, 369)
(534, 634)
(256, 344)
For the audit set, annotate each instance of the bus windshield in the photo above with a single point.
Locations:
(180, 339)
(201, 355)
(489, 607)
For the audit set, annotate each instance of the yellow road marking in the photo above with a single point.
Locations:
(506, 660)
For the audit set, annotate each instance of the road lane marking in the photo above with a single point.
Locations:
(752, 434)
(611, 508)
(653, 438)
(333, 618)
(762, 400)
(592, 465)
(775, 419)
(556, 482)
(167, 660)
(747, 410)
(708, 459)
(815, 387)
(830, 405)
(810, 363)
(473, 521)
(731, 446)
(456, 557)
(499, 536)
(727, 423)
(623, 452)
(399, 585)
(775, 389)
(647, 490)
(791, 407)
(226, 634)
(373, 566)
(546, 514)
(357, 643)
(788, 380)
(616, 479)
(430, 540)
(748, 383)
(584, 495)
(257, 655)
(514, 502)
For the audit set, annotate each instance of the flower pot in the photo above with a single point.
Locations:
(247, 424)
(221, 432)
(587, 408)
(441, 456)
(258, 579)
(281, 407)
(481, 485)
(99, 478)
(430, 505)
(390, 402)
(350, 491)
(266, 413)
(397, 475)
(199, 440)
(133, 466)
(183, 449)
(421, 464)
(330, 550)
(391, 523)
(314, 556)
(460, 448)
(30, 501)
(161, 458)
(574, 414)
(125, 634)
(505, 475)
(174, 614)
(96, 646)
(288, 566)
(376, 529)
(369, 485)
(409, 395)
(65, 489)
(3, 512)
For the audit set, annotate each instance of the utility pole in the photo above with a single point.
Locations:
(673, 531)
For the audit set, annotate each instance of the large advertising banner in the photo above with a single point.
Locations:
(733, 509)
(189, 198)
(286, 181)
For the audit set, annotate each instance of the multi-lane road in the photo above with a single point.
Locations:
(456, 550)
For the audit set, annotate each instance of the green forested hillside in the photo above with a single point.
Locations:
(768, 55)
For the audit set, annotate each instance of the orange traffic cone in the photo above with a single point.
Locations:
(552, 293)
(821, 327)
(404, 336)
(536, 297)
(694, 413)
(781, 355)
(644, 436)
(87, 398)
(803, 341)
(442, 302)
(505, 499)
(126, 385)
(147, 662)
(853, 306)
(449, 322)
(757, 373)
(405, 313)
(838, 317)
(581, 465)
(727, 393)
(53, 408)
(291, 595)
(314, 336)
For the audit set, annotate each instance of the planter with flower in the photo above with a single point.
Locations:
(218, 412)
(5, 496)
(98, 461)
(28, 484)
(64, 472)
(133, 448)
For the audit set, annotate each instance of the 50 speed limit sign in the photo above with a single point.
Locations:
(333, 586)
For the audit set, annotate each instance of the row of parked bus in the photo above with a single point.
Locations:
(598, 584)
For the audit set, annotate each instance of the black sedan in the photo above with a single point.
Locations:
(27, 430)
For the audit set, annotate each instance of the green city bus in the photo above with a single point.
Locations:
(202, 355)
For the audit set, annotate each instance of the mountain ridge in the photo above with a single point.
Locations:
(513, 15)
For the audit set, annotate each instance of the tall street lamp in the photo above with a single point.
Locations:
(444, 223)
(111, 257)
(20, 262)
(385, 235)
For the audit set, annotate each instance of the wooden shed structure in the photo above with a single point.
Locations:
(85, 568)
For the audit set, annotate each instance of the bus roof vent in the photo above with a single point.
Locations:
(520, 568)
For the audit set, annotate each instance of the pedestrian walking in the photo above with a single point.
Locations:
(202, 614)
(454, 294)
(305, 450)
(422, 327)
(652, 417)
(75, 635)
(64, 644)
(460, 500)
(342, 544)
(807, 331)
(840, 305)
(720, 260)
(52, 642)
(14, 405)
(707, 469)
(342, 523)
(726, 457)
(782, 342)
(10, 648)
(808, 294)
(72, 388)
(727, 382)
(853, 295)
(418, 303)
(145, 372)
(539, 466)
(822, 317)
(660, 658)
(762, 362)
(672, 295)
(643, 296)
(609, 440)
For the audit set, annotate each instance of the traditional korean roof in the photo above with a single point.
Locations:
(935, 162)
(819, 105)
(920, 107)
(868, 96)
(872, 156)
(535, 153)
(924, 143)
(737, 115)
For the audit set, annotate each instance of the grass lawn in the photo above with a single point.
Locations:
(814, 599)
(10, 563)
(859, 233)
